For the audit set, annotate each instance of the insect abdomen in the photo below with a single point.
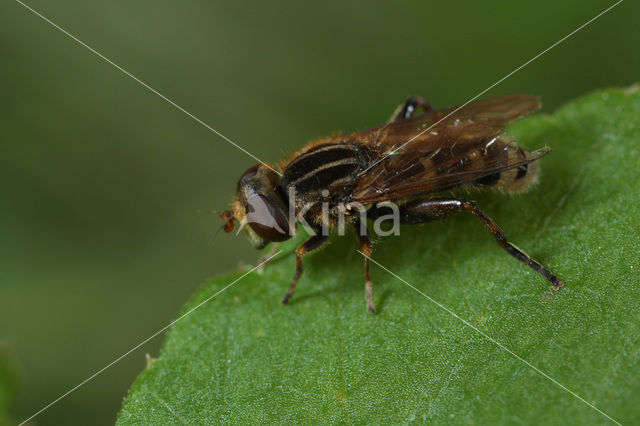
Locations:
(518, 178)
(497, 155)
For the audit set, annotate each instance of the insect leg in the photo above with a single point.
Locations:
(439, 208)
(312, 243)
(365, 248)
(408, 108)
(262, 261)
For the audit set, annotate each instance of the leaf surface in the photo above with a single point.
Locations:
(244, 358)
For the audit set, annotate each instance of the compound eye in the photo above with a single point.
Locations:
(251, 172)
(267, 220)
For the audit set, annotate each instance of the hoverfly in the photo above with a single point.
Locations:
(464, 148)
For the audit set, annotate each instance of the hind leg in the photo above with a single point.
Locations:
(439, 208)
(409, 107)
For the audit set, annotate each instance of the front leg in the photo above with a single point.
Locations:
(439, 208)
(409, 107)
(312, 243)
(262, 260)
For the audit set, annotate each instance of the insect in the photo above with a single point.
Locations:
(399, 162)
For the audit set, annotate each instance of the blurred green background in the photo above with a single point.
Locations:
(107, 190)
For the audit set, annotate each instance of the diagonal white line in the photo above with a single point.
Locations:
(492, 340)
(145, 85)
(268, 259)
(395, 150)
(149, 338)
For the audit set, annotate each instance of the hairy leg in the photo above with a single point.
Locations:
(365, 248)
(409, 107)
(311, 244)
(439, 208)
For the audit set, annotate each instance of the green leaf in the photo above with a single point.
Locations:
(244, 358)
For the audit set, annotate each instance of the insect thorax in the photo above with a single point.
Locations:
(326, 173)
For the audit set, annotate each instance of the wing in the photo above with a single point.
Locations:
(499, 110)
(446, 148)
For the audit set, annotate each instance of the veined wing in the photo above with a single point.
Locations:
(464, 148)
